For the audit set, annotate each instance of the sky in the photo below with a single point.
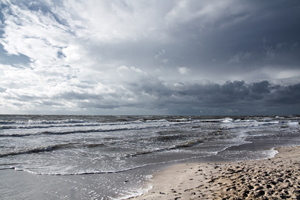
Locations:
(150, 57)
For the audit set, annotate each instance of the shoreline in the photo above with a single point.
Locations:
(273, 178)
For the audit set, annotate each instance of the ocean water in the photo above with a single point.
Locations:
(110, 157)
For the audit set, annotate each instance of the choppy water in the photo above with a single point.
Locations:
(77, 145)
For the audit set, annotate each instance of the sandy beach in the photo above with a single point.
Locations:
(275, 178)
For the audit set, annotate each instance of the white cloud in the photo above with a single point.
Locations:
(114, 20)
(183, 70)
(33, 34)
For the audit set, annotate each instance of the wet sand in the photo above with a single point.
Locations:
(275, 178)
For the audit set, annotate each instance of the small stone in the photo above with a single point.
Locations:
(279, 180)
(259, 188)
(259, 193)
(268, 186)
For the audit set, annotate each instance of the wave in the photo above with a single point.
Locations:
(227, 120)
(66, 121)
(51, 148)
(102, 128)
(293, 123)
(29, 126)
(140, 123)
(29, 151)
(7, 122)
(109, 172)
(30, 121)
(16, 135)
(43, 124)
(67, 132)
(84, 172)
(63, 132)
(46, 126)
(178, 146)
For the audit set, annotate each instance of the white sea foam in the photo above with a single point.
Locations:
(293, 123)
(227, 120)
(271, 153)
(77, 145)
(147, 186)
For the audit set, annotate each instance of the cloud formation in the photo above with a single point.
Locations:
(149, 57)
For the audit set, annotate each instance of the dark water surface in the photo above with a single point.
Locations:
(107, 157)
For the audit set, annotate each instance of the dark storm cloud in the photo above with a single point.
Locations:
(150, 86)
(237, 95)
(268, 32)
(238, 91)
(236, 39)
(165, 57)
(287, 95)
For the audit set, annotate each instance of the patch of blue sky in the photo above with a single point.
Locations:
(7, 59)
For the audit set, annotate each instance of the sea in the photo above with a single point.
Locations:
(114, 157)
